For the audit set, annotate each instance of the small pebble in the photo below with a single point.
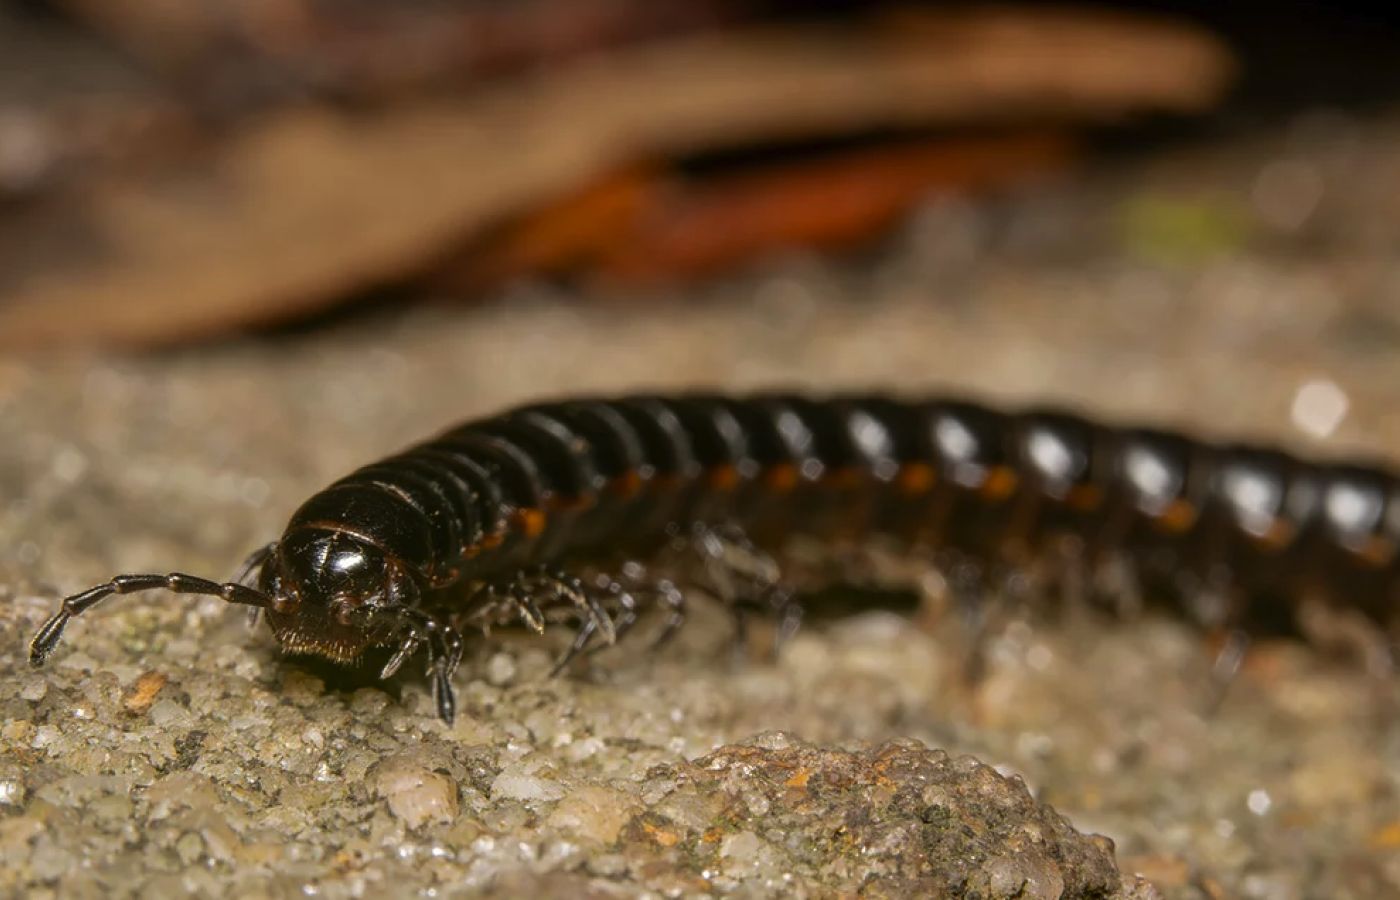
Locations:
(169, 714)
(417, 795)
(592, 813)
(189, 847)
(501, 669)
(513, 786)
(143, 693)
(745, 850)
(33, 689)
(11, 792)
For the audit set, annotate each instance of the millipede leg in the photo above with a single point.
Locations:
(1217, 604)
(443, 697)
(1210, 596)
(526, 609)
(1348, 632)
(974, 664)
(729, 553)
(254, 562)
(636, 582)
(673, 599)
(742, 577)
(594, 619)
(407, 648)
(585, 603)
(982, 601)
(626, 614)
(1226, 667)
(443, 668)
(518, 596)
(444, 648)
(582, 636)
(244, 575)
(789, 620)
(492, 604)
(483, 606)
(1117, 586)
(1071, 562)
(51, 632)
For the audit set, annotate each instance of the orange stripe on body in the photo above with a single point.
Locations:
(781, 478)
(1084, 497)
(844, 478)
(531, 521)
(723, 478)
(627, 484)
(571, 503)
(1376, 551)
(1000, 483)
(1178, 517)
(916, 478)
(1279, 535)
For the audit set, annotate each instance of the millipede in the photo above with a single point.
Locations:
(556, 511)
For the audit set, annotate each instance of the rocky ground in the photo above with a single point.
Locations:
(1244, 287)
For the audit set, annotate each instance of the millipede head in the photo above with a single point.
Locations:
(336, 595)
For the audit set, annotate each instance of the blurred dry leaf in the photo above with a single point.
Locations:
(645, 225)
(307, 206)
(828, 204)
(234, 53)
(67, 102)
(569, 233)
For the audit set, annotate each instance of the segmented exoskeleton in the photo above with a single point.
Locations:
(486, 522)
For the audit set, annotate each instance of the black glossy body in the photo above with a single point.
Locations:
(552, 482)
(486, 521)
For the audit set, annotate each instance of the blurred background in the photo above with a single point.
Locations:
(179, 172)
(248, 245)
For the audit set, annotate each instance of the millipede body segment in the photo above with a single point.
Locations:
(499, 519)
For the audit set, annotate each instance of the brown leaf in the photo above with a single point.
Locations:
(234, 52)
(828, 205)
(308, 206)
(68, 103)
(643, 225)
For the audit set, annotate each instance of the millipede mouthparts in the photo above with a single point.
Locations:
(551, 511)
